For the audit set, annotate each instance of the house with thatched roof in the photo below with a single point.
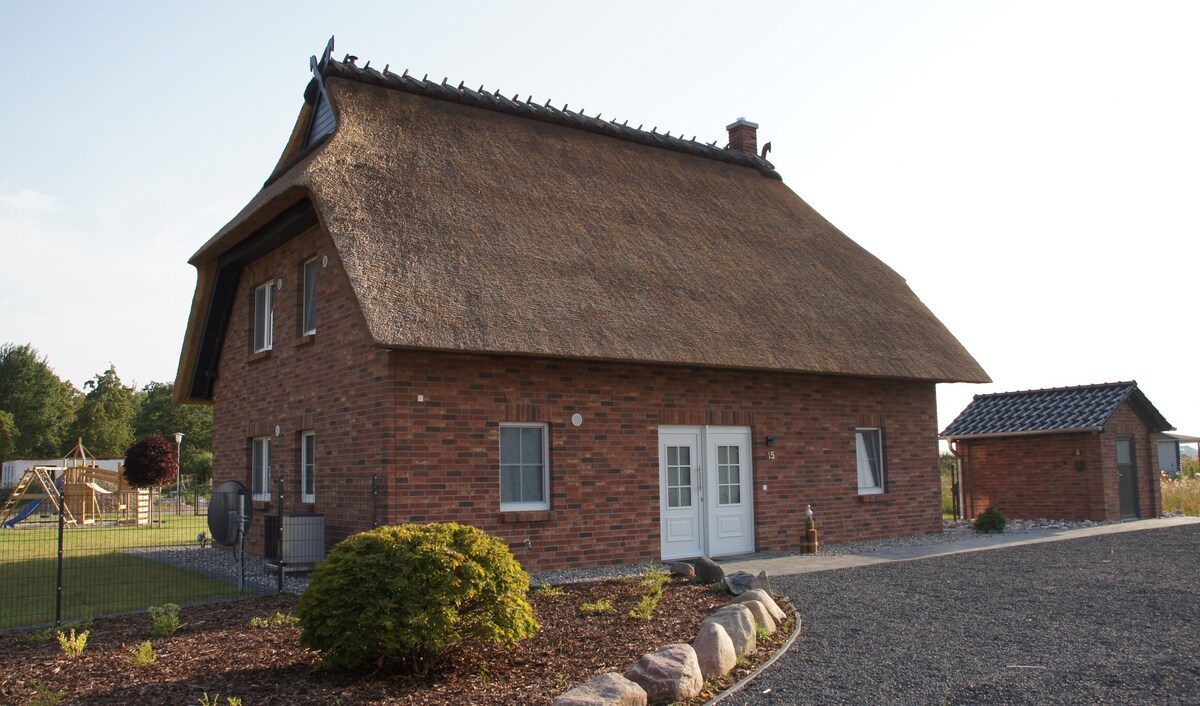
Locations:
(603, 343)
(1087, 452)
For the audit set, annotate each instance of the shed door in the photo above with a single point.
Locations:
(1127, 477)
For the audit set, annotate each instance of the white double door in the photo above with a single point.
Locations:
(706, 490)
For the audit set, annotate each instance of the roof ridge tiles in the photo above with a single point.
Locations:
(1122, 384)
(546, 113)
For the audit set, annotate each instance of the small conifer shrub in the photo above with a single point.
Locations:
(403, 595)
(990, 520)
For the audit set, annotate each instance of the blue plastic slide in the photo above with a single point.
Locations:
(29, 509)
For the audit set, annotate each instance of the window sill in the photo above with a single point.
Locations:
(260, 355)
(873, 498)
(512, 517)
(306, 339)
(261, 503)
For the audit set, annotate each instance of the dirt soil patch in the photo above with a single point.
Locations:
(216, 651)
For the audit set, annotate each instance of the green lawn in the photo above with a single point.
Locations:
(98, 576)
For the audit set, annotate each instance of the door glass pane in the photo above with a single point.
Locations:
(679, 477)
(729, 475)
(1123, 451)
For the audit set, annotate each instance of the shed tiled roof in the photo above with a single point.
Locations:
(1060, 409)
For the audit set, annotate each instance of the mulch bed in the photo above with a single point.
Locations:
(216, 651)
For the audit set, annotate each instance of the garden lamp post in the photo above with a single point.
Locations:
(178, 442)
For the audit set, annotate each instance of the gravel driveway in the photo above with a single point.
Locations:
(1112, 619)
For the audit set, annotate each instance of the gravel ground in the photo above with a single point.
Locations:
(1112, 619)
(223, 564)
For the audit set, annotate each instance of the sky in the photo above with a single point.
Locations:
(1031, 168)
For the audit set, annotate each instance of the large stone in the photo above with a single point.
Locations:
(739, 582)
(684, 569)
(714, 650)
(709, 571)
(670, 673)
(609, 689)
(762, 617)
(757, 594)
(762, 582)
(738, 621)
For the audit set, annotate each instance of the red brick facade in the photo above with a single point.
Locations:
(1060, 476)
(426, 425)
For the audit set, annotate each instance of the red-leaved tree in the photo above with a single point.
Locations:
(151, 461)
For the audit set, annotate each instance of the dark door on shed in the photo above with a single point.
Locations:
(1127, 476)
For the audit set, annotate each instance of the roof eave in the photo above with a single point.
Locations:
(1036, 432)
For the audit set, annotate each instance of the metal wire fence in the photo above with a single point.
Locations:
(68, 559)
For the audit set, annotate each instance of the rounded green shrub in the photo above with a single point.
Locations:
(990, 520)
(402, 595)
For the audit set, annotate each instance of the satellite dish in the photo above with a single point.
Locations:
(227, 501)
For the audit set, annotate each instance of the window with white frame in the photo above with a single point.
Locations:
(524, 471)
(308, 467)
(260, 468)
(264, 318)
(309, 314)
(869, 445)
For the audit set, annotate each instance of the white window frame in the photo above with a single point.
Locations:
(544, 504)
(869, 482)
(307, 461)
(264, 317)
(308, 306)
(260, 464)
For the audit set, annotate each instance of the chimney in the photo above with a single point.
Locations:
(743, 136)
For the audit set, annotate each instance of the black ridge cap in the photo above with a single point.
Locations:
(548, 114)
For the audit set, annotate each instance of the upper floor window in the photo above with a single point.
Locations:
(309, 323)
(260, 468)
(869, 445)
(524, 472)
(264, 318)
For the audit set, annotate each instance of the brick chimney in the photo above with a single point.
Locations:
(743, 136)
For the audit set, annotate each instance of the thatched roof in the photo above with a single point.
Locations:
(464, 227)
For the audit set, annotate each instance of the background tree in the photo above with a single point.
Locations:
(155, 413)
(42, 406)
(8, 435)
(150, 462)
(105, 419)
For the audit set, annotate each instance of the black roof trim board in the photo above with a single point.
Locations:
(293, 221)
(329, 67)
(1082, 408)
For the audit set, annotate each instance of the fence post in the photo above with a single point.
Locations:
(58, 583)
(280, 552)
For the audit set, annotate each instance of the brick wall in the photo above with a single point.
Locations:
(334, 382)
(1037, 476)
(428, 425)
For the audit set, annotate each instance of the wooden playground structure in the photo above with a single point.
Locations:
(79, 490)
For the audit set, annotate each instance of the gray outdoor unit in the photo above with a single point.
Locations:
(303, 541)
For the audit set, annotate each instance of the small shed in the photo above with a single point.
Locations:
(1077, 453)
(1169, 456)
